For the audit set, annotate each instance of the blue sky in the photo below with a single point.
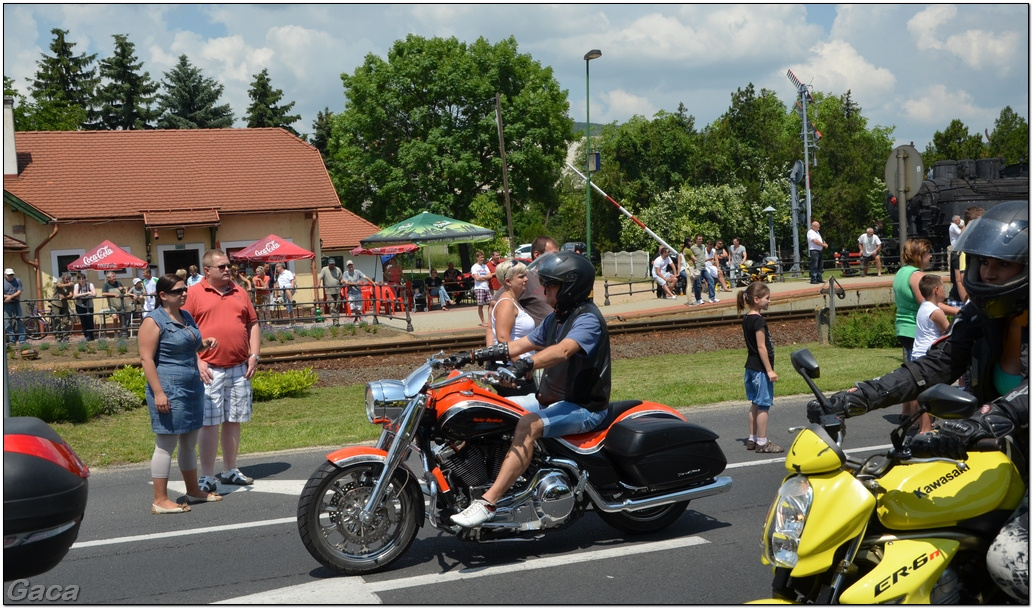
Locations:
(912, 67)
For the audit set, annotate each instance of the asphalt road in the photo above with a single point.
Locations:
(247, 549)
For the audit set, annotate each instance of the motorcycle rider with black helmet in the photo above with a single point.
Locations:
(572, 346)
(990, 336)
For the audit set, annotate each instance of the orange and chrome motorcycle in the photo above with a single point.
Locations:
(892, 528)
(444, 439)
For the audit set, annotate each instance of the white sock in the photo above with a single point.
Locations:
(753, 438)
(762, 441)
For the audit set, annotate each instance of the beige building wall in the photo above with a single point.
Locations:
(73, 240)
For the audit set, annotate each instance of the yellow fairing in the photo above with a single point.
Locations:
(813, 452)
(907, 573)
(922, 495)
(840, 512)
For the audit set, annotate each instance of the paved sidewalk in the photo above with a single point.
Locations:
(792, 294)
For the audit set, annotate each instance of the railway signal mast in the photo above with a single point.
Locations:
(810, 135)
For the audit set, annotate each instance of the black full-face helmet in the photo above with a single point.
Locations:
(1002, 233)
(573, 272)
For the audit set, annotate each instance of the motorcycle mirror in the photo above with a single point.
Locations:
(947, 402)
(804, 363)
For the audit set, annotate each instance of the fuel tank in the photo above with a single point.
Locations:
(940, 494)
(471, 413)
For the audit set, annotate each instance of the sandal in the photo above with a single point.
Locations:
(770, 447)
(751, 445)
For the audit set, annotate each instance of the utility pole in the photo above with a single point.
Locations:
(806, 127)
(505, 170)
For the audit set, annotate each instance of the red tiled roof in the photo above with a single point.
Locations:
(177, 218)
(341, 229)
(14, 245)
(87, 175)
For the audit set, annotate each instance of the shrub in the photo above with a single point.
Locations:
(132, 379)
(868, 329)
(55, 397)
(268, 385)
(44, 346)
(318, 332)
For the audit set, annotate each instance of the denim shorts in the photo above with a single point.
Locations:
(561, 418)
(760, 391)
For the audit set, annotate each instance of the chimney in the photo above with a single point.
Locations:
(10, 150)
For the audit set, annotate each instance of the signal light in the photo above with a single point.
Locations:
(893, 200)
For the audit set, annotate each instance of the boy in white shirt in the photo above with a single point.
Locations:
(931, 322)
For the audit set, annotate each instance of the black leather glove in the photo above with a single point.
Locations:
(955, 437)
(849, 403)
(815, 411)
(516, 371)
(460, 359)
(495, 353)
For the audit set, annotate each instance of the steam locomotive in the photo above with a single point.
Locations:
(949, 189)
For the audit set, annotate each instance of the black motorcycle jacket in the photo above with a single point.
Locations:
(974, 341)
(582, 380)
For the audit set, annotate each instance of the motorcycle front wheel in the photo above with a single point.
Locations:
(329, 520)
(645, 521)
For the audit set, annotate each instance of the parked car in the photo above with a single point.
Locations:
(581, 248)
(45, 488)
(524, 251)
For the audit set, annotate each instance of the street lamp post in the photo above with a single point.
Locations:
(589, 56)
(770, 211)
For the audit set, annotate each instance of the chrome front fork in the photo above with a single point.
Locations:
(395, 455)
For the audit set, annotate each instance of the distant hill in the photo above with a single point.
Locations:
(579, 128)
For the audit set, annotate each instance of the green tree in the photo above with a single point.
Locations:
(31, 115)
(321, 128)
(125, 99)
(954, 143)
(419, 130)
(1010, 138)
(64, 80)
(264, 110)
(189, 100)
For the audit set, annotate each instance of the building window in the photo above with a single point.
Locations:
(60, 259)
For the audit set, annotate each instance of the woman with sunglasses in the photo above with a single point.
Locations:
(169, 342)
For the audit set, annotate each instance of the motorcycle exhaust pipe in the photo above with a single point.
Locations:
(720, 485)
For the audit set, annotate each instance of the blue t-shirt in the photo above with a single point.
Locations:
(585, 331)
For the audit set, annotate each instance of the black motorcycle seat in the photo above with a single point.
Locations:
(616, 409)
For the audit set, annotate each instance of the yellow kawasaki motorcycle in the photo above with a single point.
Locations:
(890, 528)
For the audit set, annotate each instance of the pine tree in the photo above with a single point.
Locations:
(64, 80)
(30, 115)
(263, 111)
(125, 99)
(189, 100)
(321, 131)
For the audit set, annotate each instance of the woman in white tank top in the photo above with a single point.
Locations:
(509, 321)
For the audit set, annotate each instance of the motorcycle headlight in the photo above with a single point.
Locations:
(785, 522)
(385, 400)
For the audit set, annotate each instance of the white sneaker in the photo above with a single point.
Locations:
(715, 300)
(479, 512)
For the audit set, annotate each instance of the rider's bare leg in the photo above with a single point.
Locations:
(528, 429)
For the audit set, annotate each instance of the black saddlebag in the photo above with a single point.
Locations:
(661, 452)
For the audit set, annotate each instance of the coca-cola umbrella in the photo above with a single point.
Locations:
(427, 228)
(106, 257)
(273, 249)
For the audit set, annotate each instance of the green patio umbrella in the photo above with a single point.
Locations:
(427, 228)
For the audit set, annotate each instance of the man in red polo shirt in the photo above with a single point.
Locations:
(224, 311)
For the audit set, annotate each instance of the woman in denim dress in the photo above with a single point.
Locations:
(169, 342)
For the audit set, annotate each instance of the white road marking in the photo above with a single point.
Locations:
(294, 487)
(781, 459)
(353, 590)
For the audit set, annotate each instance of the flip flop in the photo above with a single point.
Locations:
(179, 509)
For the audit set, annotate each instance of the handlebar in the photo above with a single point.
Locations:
(988, 445)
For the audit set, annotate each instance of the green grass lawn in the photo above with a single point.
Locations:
(336, 416)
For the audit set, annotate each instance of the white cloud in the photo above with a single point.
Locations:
(621, 103)
(938, 106)
(978, 48)
(842, 68)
